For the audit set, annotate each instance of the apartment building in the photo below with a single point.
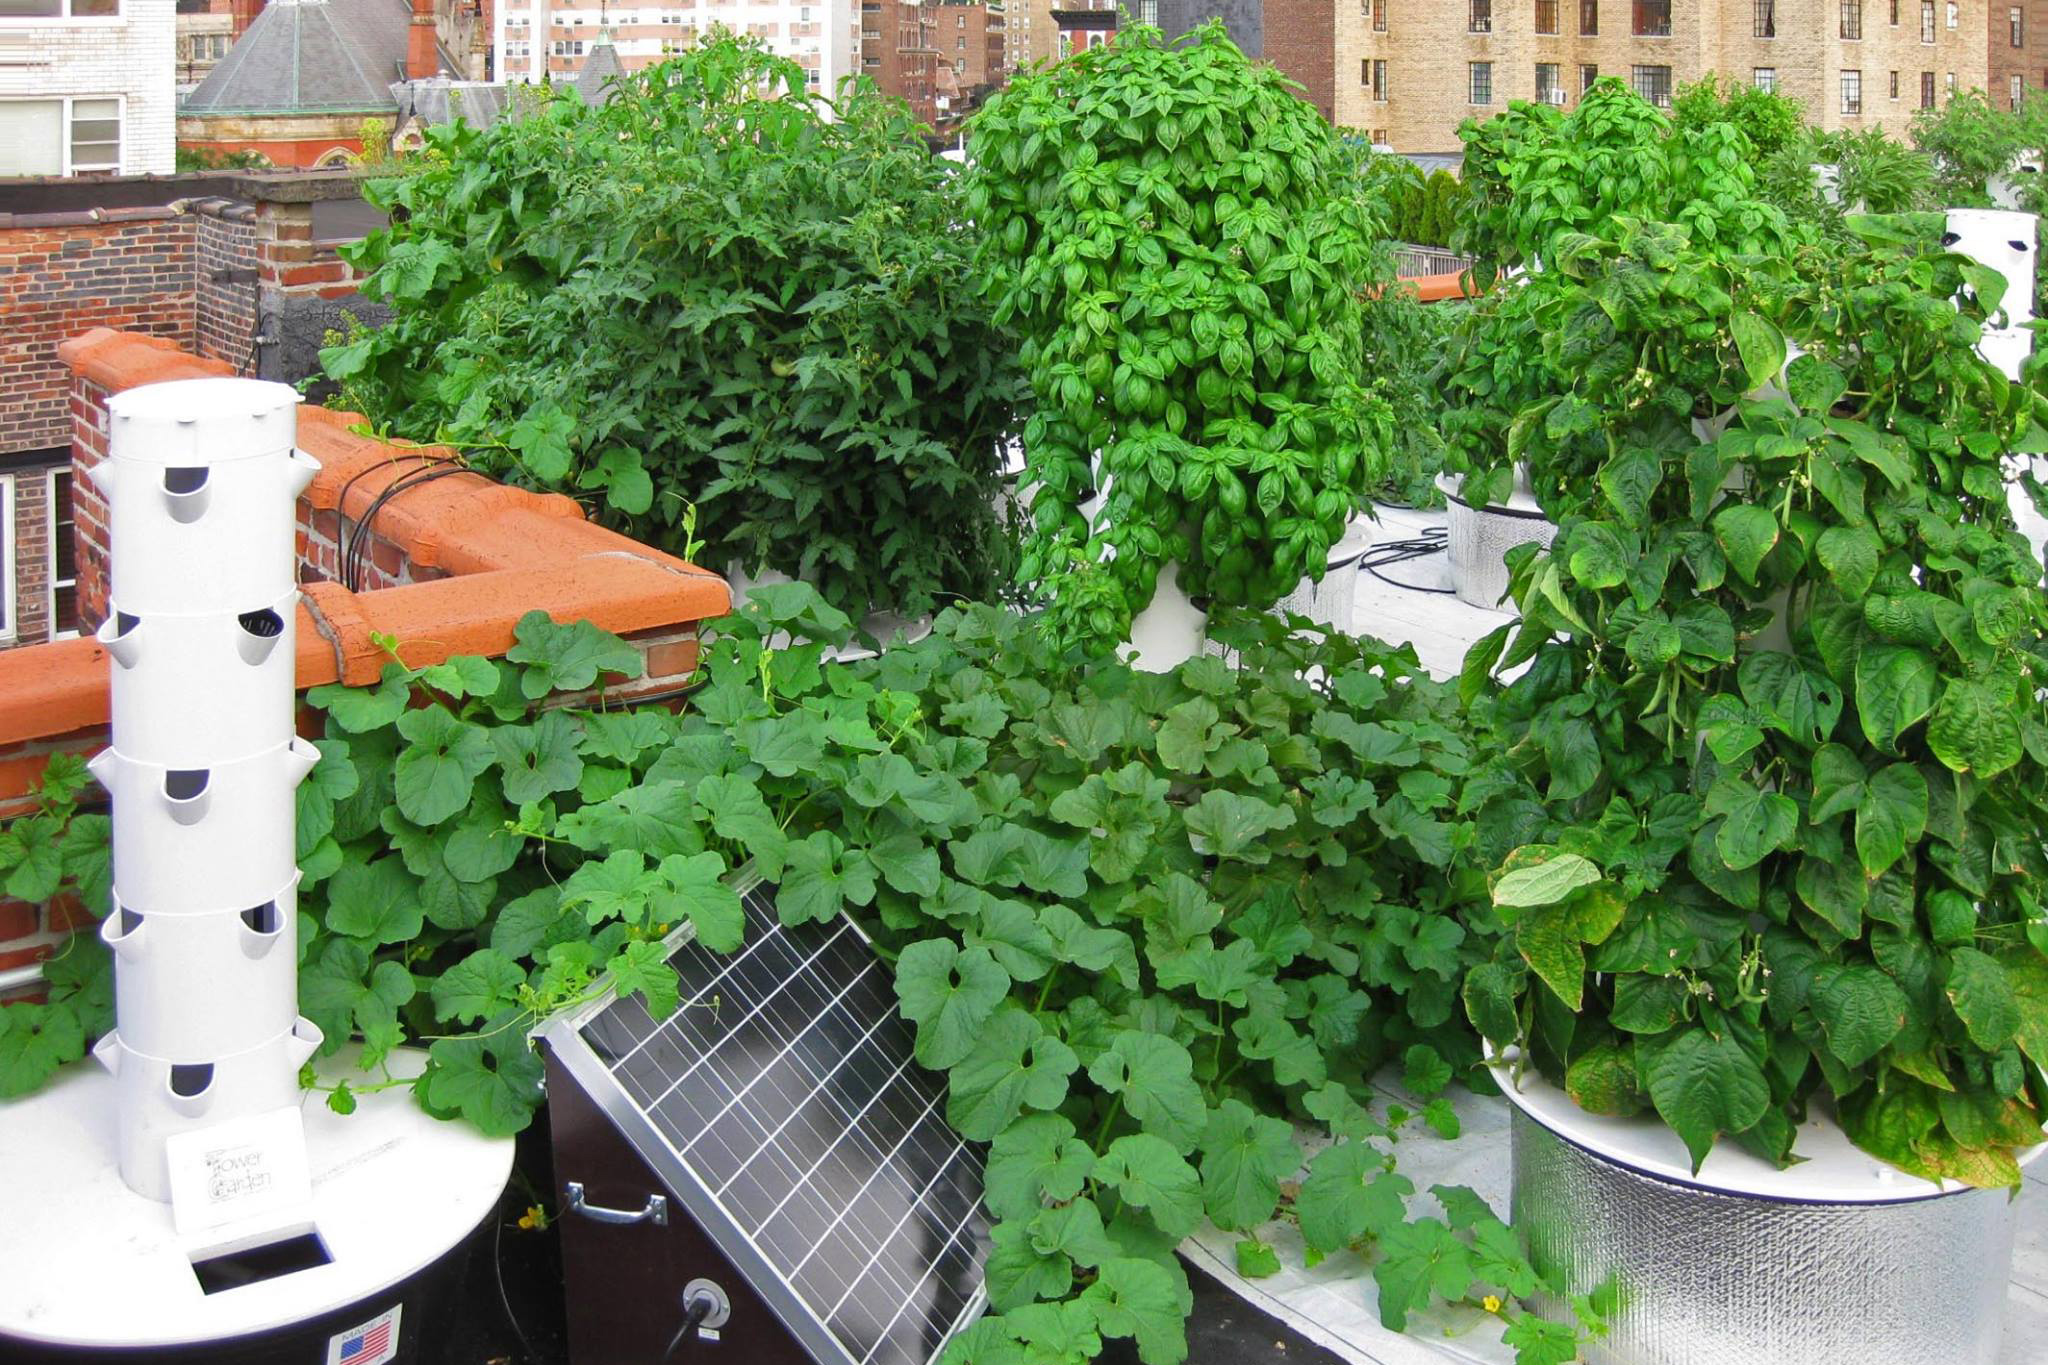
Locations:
(87, 87)
(1297, 36)
(2018, 53)
(1410, 71)
(535, 40)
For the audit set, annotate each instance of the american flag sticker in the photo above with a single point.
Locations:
(373, 1343)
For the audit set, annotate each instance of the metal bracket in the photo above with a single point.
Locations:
(655, 1212)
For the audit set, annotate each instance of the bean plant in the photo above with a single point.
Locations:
(1765, 820)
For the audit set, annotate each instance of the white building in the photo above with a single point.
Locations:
(88, 87)
(540, 39)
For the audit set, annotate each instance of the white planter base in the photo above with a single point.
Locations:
(1839, 1258)
(91, 1265)
(1480, 538)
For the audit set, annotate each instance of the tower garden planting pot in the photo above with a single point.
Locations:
(1480, 538)
(1839, 1258)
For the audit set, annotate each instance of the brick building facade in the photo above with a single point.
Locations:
(1408, 72)
(2017, 55)
(242, 279)
(86, 87)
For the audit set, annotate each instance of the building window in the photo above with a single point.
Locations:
(1927, 21)
(63, 559)
(1365, 72)
(1653, 18)
(1852, 20)
(1379, 77)
(1549, 89)
(1379, 16)
(1589, 74)
(1480, 17)
(1852, 92)
(1953, 13)
(1927, 90)
(68, 136)
(1764, 22)
(1589, 17)
(60, 9)
(1481, 80)
(1895, 13)
(1895, 85)
(2016, 90)
(1653, 83)
(1546, 16)
(1951, 85)
(2016, 26)
(1764, 78)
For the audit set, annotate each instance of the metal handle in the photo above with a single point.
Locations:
(655, 1212)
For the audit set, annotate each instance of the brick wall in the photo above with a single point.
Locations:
(562, 565)
(1299, 37)
(224, 315)
(2028, 61)
(133, 273)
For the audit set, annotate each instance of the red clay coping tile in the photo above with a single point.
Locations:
(508, 551)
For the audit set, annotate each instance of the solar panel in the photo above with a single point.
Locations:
(781, 1106)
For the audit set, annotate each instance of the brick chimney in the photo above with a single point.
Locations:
(422, 60)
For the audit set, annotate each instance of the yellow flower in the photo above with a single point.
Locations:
(1491, 1303)
(534, 1217)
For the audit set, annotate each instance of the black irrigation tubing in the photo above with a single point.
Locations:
(354, 548)
(1389, 552)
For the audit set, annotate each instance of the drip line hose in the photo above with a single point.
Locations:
(1385, 553)
(355, 548)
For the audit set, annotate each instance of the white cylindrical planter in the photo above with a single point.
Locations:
(1169, 631)
(189, 988)
(188, 840)
(157, 1097)
(195, 690)
(1480, 538)
(2005, 242)
(1838, 1258)
(202, 483)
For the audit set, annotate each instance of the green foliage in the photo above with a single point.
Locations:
(58, 852)
(473, 859)
(1180, 242)
(1535, 175)
(706, 294)
(1771, 121)
(1523, 368)
(1784, 696)
(1141, 921)
(1973, 142)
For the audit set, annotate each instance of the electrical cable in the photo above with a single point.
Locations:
(693, 1318)
(1390, 552)
(505, 1299)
